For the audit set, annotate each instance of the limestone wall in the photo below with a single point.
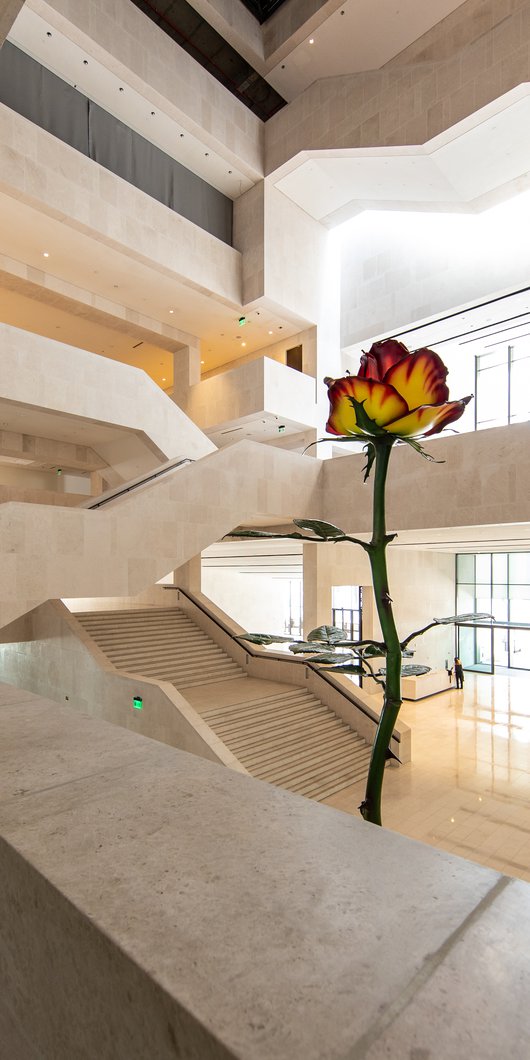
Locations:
(154, 904)
(469, 59)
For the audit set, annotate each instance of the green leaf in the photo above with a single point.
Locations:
(364, 421)
(326, 634)
(326, 531)
(370, 451)
(472, 616)
(414, 444)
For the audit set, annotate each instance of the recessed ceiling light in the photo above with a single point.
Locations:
(243, 343)
(270, 332)
(45, 254)
(85, 62)
(163, 378)
(171, 310)
(311, 40)
(202, 362)
(120, 89)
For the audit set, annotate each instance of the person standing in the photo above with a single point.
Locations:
(459, 673)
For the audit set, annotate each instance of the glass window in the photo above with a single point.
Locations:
(519, 567)
(491, 408)
(503, 385)
(465, 568)
(499, 562)
(520, 380)
(483, 568)
(465, 599)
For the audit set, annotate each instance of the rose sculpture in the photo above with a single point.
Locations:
(395, 392)
(396, 396)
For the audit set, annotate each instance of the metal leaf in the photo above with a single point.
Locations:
(326, 634)
(326, 531)
(264, 638)
(472, 616)
(303, 648)
(346, 668)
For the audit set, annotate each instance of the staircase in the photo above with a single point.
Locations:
(162, 643)
(292, 740)
(287, 737)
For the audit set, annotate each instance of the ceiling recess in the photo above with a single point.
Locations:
(188, 29)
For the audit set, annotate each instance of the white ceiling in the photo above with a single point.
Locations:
(359, 35)
(480, 160)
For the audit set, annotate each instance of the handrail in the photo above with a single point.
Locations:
(250, 650)
(119, 491)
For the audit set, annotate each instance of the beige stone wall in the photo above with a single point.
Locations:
(72, 670)
(484, 480)
(466, 61)
(127, 546)
(245, 391)
(422, 586)
(9, 10)
(135, 49)
(54, 178)
(60, 379)
(277, 351)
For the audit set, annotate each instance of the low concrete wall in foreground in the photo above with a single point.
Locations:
(156, 905)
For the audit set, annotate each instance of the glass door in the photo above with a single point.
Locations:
(475, 648)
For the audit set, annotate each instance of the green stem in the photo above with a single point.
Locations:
(371, 806)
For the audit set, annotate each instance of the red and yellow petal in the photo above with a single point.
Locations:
(427, 419)
(381, 403)
(420, 379)
(380, 358)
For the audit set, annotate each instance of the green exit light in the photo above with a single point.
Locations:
(138, 703)
(242, 321)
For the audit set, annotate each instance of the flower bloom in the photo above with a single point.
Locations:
(403, 394)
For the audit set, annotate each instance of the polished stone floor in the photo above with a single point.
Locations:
(467, 789)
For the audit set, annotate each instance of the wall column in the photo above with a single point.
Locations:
(189, 576)
(317, 586)
(186, 373)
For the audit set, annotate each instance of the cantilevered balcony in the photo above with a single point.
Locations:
(262, 399)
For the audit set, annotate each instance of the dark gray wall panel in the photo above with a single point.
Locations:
(31, 90)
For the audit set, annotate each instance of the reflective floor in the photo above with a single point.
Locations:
(467, 789)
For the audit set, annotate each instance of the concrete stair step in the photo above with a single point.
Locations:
(277, 715)
(234, 708)
(274, 737)
(210, 681)
(315, 765)
(311, 744)
(317, 787)
(291, 763)
(314, 785)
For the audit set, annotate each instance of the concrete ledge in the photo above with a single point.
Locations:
(157, 905)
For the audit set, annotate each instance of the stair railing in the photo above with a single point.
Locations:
(338, 696)
(135, 483)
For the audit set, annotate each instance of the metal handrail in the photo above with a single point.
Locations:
(120, 491)
(250, 650)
